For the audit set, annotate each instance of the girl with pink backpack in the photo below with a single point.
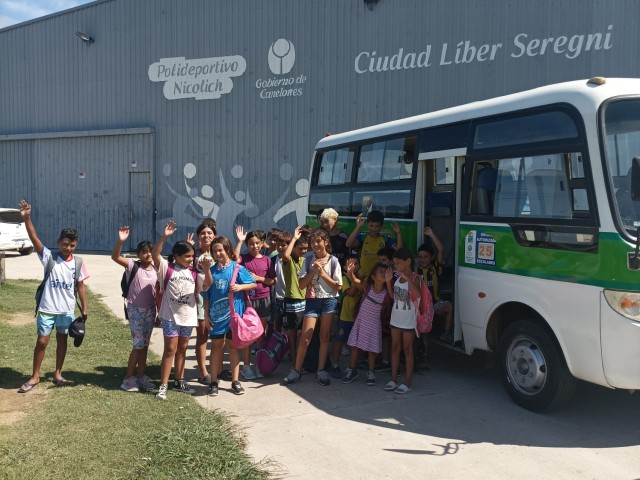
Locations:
(226, 279)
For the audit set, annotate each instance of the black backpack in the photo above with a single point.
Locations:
(47, 272)
(124, 284)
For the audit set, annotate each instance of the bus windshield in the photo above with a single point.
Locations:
(622, 144)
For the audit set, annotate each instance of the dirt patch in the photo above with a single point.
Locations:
(20, 319)
(14, 406)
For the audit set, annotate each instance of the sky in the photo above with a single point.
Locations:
(17, 11)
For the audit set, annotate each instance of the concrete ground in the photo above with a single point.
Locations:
(457, 423)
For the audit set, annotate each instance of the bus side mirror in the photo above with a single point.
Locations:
(635, 179)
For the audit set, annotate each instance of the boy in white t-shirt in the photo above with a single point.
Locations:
(58, 302)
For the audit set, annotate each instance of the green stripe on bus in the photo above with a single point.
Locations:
(607, 268)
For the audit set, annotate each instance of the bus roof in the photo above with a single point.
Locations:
(583, 94)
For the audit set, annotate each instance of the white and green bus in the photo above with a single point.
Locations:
(534, 196)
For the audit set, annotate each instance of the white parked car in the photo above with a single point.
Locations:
(13, 234)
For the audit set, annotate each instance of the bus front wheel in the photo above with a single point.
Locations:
(532, 367)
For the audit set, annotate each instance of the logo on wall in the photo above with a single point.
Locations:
(199, 78)
(281, 58)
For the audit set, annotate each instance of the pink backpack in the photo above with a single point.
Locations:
(425, 308)
(247, 328)
(268, 357)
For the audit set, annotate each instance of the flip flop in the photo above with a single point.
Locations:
(402, 389)
(27, 387)
(390, 386)
(61, 382)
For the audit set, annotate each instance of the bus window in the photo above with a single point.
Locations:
(535, 187)
(393, 203)
(387, 160)
(334, 167)
(445, 170)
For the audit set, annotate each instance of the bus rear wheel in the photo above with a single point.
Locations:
(532, 368)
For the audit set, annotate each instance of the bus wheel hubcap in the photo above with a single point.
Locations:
(526, 366)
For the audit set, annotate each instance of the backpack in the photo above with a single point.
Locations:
(170, 270)
(125, 284)
(47, 271)
(269, 356)
(425, 308)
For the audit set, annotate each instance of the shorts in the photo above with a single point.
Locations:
(316, 307)
(46, 321)
(294, 305)
(344, 329)
(141, 322)
(277, 309)
(292, 320)
(171, 329)
(404, 330)
(218, 336)
(262, 306)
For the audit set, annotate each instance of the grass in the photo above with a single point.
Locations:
(92, 429)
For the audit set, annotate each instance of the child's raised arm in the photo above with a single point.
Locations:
(398, 232)
(116, 254)
(428, 231)
(169, 229)
(351, 241)
(241, 236)
(286, 255)
(25, 213)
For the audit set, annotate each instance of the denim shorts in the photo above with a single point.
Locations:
(344, 329)
(315, 307)
(171, 329)
(46, 321)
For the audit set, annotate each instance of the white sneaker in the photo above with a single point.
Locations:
(247, 373)
(130, 385)
(162, 392)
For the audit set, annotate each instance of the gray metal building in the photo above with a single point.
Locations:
(160, 109)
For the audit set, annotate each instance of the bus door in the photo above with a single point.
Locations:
(441, 200)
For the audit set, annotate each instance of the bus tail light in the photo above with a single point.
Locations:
(625, 303)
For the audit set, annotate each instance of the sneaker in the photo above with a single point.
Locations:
(130, 385)
(206, 380)
(350, 374)
(225, 375)
(293, 377)
(247, 373)
(237, 388)
(162, 392)
(182, 386)
(335, 372)
(145, 383)
(322, 377)
(213, 389)
(362, 364)
(371, 378)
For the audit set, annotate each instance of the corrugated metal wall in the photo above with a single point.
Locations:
(245, 159)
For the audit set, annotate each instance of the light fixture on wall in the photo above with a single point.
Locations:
(134, 164)
(84, 37)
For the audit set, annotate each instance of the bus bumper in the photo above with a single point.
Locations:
(620, 339)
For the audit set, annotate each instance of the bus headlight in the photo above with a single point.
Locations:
(625, 303)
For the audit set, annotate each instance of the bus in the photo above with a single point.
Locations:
(535, 197)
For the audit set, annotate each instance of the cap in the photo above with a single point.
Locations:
(76, 331)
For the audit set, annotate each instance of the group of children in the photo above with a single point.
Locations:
(296, 282)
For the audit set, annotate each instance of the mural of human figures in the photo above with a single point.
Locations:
(190, 206)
